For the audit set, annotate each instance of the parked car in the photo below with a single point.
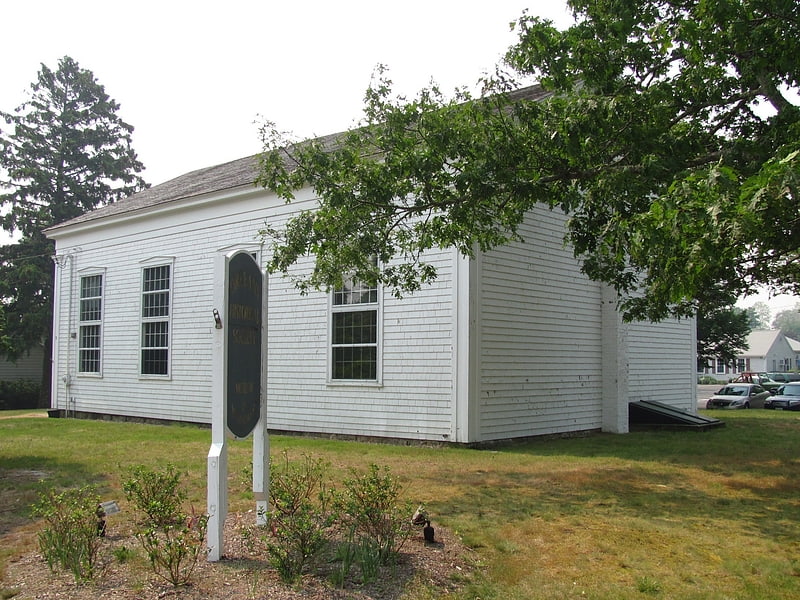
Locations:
(739, 395)
(761, 379)
(787, 398)
(784, 377)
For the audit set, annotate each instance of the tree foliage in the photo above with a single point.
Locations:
(669, 136)
(759, 315)
(63, 151)
(788, 321)
(722, 333)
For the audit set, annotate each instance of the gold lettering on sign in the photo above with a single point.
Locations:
(243, 312)
(246, 281)
(244, 387)
(245, 336)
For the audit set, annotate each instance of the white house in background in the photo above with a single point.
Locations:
(795, 346)
(514, 343)
(768, 350)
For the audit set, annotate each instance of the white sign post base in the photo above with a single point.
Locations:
(217, 499)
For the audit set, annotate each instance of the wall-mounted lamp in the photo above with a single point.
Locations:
(217, 320)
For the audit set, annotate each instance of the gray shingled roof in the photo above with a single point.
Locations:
(211, 179)
(218, 178)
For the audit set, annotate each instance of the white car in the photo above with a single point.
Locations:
(739, 395)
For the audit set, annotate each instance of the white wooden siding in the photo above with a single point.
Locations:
(413, 400)
(667, 349)
(530, 362)
(415, 394)
(539, 336)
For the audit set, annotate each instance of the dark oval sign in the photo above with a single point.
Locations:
(243, 316)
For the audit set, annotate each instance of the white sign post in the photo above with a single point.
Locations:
(239, 391)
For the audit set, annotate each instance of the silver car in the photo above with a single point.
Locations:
(739, 395)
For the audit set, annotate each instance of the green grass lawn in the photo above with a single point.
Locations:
(662, 514)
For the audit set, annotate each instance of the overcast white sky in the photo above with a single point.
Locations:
(192, 77)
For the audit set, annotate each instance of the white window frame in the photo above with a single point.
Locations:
(719, 367)
(341, 305)
(85, 324)
(145, 320)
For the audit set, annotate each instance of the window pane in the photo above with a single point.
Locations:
(357, 327)
(154, 362)
(358, 362)
(89, 349)
(90, 336)
(155, 335)
(89, 361)
(155, 304)
(355, 292)
(156, 278)
(90, 309)
(92, 287)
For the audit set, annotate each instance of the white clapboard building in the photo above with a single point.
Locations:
(516, 342)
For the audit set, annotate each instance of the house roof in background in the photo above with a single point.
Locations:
(760, 341)
(218, 178)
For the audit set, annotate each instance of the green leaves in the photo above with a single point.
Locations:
(69, 538)
(66, 151)
(661, 129)
(63, 151)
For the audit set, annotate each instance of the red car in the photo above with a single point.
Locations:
(761, 379)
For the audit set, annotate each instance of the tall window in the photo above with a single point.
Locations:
(90, 324)
(354, 332)
(155, 320)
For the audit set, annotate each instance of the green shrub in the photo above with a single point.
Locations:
(299, 519)
(17, 394)
(70, 537)
(172, 539)
(370, 505)
(174, 550)
(156, 494)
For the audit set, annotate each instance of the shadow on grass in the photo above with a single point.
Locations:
(748, 471)
(22, 477)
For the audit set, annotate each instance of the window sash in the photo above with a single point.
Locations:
(155, 330)
(89, 349)
(354, 333)
(354, 292)
(353, 328)
(355, 363)
(90, 316)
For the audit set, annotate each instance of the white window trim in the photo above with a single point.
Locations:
(332, 308)
(157, 261)
(91, 272)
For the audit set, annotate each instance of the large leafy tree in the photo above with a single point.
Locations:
(670, 136)
(722, 333)
(63, 151)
